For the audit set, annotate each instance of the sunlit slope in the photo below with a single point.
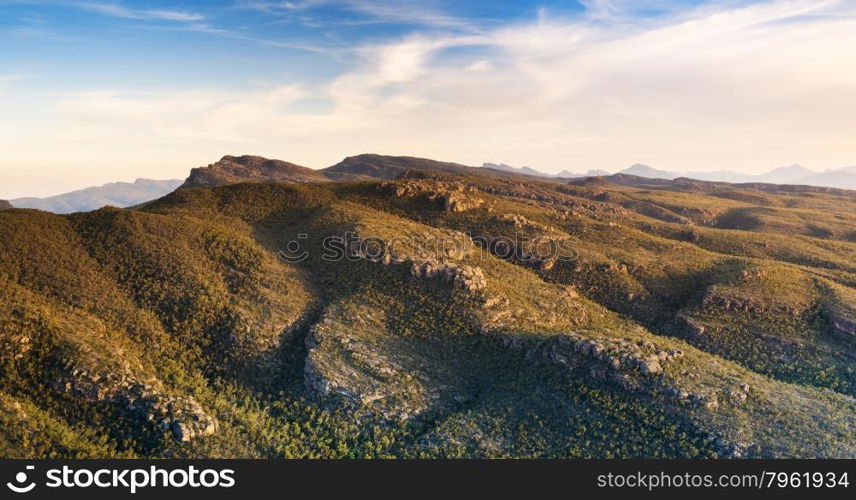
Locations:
(219, 322)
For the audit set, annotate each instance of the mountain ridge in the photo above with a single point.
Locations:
(687, 319)
(248, 168)
(793, 174)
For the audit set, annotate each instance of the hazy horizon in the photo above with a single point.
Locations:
(182, 176)
(96, 92)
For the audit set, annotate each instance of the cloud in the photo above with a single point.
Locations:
(116, 10)
(418, 12)
(11, 77)
(747, 86)
(163, 117)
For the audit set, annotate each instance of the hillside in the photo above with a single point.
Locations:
(5, 205)
(421, 309)
(116, 194)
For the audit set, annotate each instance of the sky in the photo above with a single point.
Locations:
(97, 91)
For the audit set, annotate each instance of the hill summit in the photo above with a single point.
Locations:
(235, 169)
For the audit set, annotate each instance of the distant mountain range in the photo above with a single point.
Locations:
(531, 171)
(236, 169)
(517, 170)
(844, 178)
(117, 194)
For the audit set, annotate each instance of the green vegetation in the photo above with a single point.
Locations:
(686, 324)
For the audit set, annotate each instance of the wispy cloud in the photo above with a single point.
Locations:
(195, 22)
(117, 10)
(417, 12)
(745, 85)
(11, 77)
(209, 29)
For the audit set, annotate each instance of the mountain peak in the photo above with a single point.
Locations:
(643, 170)
(248, 168)
(794, 169)
(371, 165)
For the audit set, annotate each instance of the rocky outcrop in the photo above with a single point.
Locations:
(5, 205)
(460, 202)
(841, 324)
(453, 196)
(522, 222)
(639, 366)
(182, 417)
(461, 276)
(635, 366)
(570, 349)
(350, 362)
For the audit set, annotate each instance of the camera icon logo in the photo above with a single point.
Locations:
(20, 478)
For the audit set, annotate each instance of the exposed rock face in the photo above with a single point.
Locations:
(520, 221)
(461, 276)
(642, 367)
(464, 277)
(454, 196)
(349, 361)
(460, 202)
(352, 360)
(5, 205)
(236, 169)
(183, 417)
(633, 365)
(842, 324)
(570, 348)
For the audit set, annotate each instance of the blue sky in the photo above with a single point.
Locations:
(164, 44)
(97, 91)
